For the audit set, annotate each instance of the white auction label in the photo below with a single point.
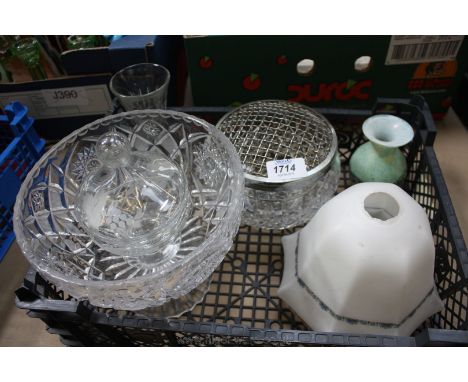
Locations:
(65, 97)
(286, 169)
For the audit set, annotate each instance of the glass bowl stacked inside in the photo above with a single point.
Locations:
(269, 130)
(132, 211)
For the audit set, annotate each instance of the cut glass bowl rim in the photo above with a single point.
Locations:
(234, 208)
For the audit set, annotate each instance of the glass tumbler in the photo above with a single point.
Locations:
(141, 86)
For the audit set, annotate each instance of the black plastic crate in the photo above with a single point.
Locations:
(242, 307)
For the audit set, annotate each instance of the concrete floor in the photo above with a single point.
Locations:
(17, 329)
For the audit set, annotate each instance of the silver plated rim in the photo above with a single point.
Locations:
(314, 173)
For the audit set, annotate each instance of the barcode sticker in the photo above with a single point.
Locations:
(286, 169)
(415, 49)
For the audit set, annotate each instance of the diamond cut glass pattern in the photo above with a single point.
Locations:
(60, 248)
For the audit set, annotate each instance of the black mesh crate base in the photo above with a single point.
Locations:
(242, 307)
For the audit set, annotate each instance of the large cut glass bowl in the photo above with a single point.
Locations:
(65, 251)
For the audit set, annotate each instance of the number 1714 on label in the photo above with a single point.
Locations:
(286, 169)
(279, 168)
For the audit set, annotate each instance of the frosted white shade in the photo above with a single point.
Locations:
(363, 264)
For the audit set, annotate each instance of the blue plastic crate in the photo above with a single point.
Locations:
(20, 148)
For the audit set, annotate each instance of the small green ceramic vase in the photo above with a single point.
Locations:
(380, 159)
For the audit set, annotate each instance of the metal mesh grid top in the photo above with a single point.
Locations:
(267, 130)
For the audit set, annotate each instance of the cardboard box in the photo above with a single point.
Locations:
(129, 50)
(63, 104)
(230, 70)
